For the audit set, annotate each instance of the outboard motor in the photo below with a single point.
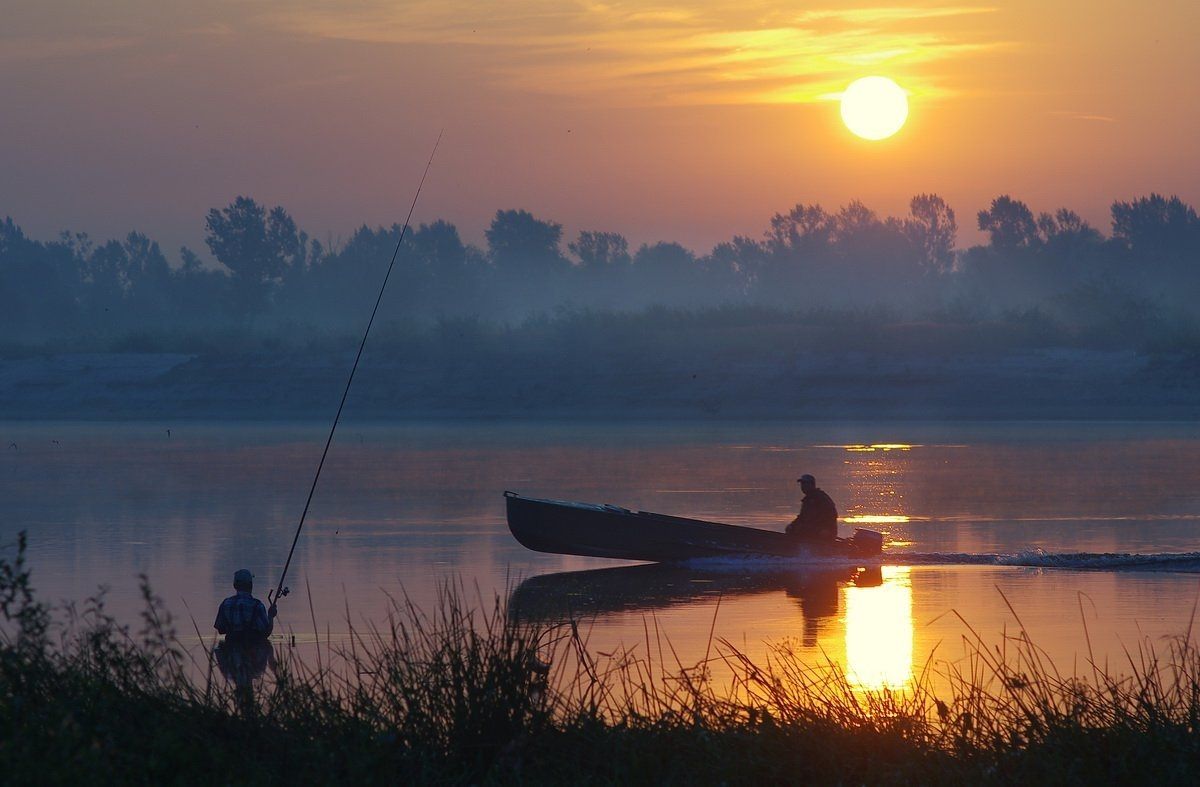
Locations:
(866, 543)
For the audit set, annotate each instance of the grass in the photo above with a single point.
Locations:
(455, 695)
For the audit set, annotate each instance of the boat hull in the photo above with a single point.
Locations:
(590, 530)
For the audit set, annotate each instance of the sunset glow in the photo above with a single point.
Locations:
(874, 107)
(594, 115)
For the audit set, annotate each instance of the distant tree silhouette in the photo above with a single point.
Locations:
(796, 245)
(1156, 226)
(1009, 224)
(664, 273)
(600, 249)
(258, 247)
(805, 229)
(738, 264)
(1069, 246)
(129, 284)
(1066, 226)
(198, 291)
(854, 219)
(452, 271)
(1053, 265)
(40, 284)
(522, 245)
(340, 285)
(933, 230)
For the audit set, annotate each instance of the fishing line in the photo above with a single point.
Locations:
(281, 589)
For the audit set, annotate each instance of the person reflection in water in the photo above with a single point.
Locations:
(818, 596)
(817, 521)
(245, 653)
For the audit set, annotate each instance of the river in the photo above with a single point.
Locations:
(1054, 526)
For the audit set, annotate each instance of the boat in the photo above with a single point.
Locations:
(601, 530)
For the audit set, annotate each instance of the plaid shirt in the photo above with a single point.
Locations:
(243, 615)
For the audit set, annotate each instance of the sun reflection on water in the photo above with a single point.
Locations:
(879, 632)
(876, 519)
(867, 448)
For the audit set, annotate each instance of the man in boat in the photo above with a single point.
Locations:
(817, 521)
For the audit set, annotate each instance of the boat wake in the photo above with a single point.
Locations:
(1185, 562)
(1182, 562)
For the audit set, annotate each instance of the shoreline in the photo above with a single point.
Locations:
(1041, 385)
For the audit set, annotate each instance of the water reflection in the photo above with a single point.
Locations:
(242, 663)
(415, 505)
(644, 588)
(877, 602)
(879, 632)
(877, 519)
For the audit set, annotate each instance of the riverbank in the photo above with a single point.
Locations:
(513, 383)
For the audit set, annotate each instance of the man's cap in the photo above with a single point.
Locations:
(243, 577)
(806, 479)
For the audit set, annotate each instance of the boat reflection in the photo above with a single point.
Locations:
(643, 588)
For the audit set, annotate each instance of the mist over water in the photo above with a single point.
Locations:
(968, 509)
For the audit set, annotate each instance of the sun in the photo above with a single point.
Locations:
(874, 107)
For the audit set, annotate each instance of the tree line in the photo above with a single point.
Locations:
(271, 274)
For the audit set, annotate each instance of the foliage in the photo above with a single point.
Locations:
(272, 274)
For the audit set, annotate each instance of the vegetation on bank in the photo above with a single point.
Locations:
(454, 696)
(270, 277)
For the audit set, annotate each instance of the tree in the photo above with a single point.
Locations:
(665, 273)
(1009, 224)
(258, 247)
(854, 219)
(439, 247)
(452, 270)
(933, 230)
(1156, 226)
(805, 228)
(40, 283)
(521, 244)
(742, 258)
(197, 290)
(1065, 224)
(1066, 238)
(600, 250)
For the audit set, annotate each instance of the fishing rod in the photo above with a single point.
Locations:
(281, 590)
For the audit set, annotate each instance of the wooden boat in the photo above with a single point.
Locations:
(595, 530)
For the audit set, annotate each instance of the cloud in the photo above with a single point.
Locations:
(33, 49)
(1085, 116)
(631, 53)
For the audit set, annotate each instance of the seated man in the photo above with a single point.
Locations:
(817, 522)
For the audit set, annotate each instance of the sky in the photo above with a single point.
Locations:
(690, 122)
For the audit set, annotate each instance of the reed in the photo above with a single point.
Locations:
(463, 694)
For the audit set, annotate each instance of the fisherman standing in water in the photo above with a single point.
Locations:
(817, 522)
(245, 652)
(242, 617)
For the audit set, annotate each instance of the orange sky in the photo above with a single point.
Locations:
(680, 121)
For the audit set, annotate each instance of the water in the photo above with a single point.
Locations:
(1059, 525)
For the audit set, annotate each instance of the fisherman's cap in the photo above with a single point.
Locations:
(806, 479)
(243, 577)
